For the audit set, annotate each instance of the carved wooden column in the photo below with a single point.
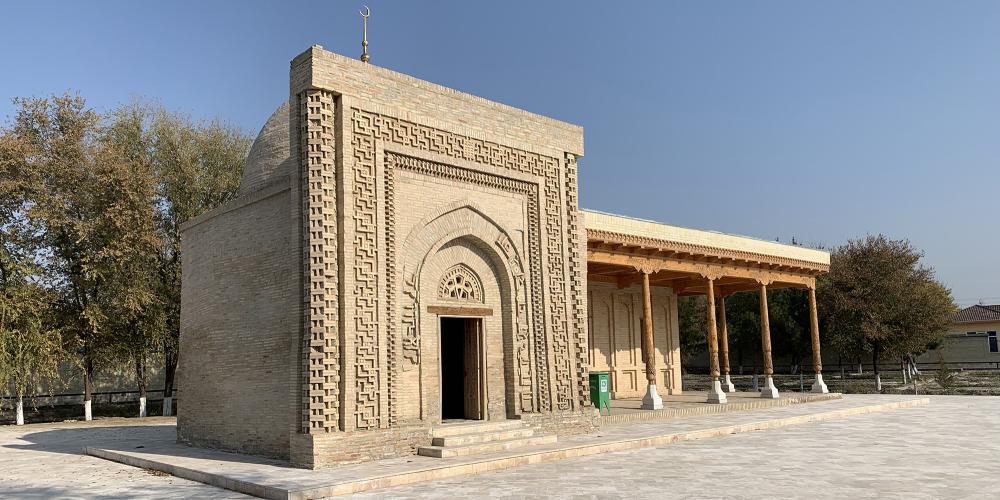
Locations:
(715, 394)
(652, 400)
(727, 384)
(818, 385)
(768, 390)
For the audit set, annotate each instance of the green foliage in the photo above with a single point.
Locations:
(692, 320)
(879, 299)
(30, 347)
(945, 377)
(94, 202)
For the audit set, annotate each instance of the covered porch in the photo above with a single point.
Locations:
(670, 261)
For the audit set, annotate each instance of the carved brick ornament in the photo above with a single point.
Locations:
(461, 284)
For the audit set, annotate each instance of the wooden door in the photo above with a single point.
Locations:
(473, 370)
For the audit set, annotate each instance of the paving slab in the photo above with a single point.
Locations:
(947, 449)
(276, 479)
(44, 461)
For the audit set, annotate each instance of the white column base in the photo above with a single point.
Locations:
(20, 412)
(715, 394)
(142, 407)
(819, 386)
(769, 391)
(652, 400)
(168, 406)
(87, 415)
(727, 384)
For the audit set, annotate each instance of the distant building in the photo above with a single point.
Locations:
(971, 341)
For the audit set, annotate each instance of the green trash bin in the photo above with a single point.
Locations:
(600, 391)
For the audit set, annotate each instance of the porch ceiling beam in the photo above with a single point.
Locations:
(762, 274)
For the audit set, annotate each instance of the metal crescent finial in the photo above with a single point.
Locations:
(364, 42)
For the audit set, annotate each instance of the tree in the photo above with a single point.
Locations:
(880, 298)
(743, 316)
(136, 327)
(692, 319)
(198, 167)
(788, 313)
(29, 347)
(90, 205)
(103, 198)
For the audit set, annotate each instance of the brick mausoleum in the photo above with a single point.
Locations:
(404, 257)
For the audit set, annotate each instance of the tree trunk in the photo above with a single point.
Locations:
(903, 369)
(757, 360)
(861, 370)
(170, 369)
(878, 376)
(140, 375)
(739, 355)
(88, 386)
(20, 410)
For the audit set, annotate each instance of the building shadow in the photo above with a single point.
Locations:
(151, 440)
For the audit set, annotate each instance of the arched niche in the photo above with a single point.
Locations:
(463, 237)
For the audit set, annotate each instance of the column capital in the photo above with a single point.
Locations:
(646, 267)
(711, 275)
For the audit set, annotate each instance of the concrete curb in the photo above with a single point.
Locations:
(515, 459)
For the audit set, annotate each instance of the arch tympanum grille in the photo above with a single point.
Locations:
(461, 284)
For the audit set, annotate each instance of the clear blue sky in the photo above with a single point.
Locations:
(819, 120)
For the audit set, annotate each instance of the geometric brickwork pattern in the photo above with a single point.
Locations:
(367, 127)
(523, 326)
(322, 370)
(578, 295)
(366, 292)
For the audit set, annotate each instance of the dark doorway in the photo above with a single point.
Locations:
(461, 369)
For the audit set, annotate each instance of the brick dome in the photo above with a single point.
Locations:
(269, 157)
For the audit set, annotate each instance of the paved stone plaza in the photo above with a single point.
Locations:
(44, 461)
(947, 449)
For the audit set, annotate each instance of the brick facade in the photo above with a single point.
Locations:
(313, 304)
(238, 319)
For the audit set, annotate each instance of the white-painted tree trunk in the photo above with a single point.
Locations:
(168, 406)
(20, 411)
(861, 370)
(87, 415)
(878, 383)
(142, 407)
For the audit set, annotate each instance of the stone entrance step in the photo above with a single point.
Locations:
(476, 449)
(484, 437)
(475, 428)
(455, 440)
